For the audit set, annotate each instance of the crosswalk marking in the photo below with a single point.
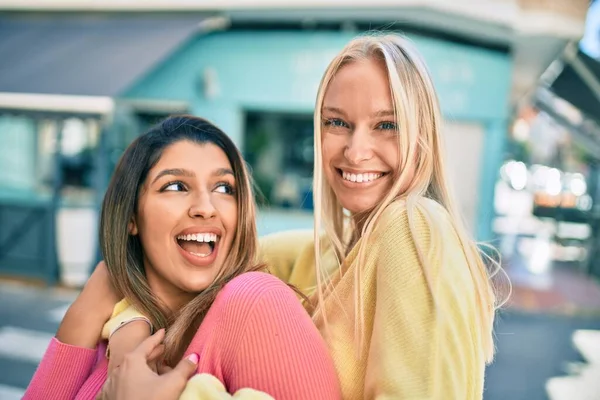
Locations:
(10, 392)
(585, 384)
(57, 314)
(588, 344)
(23, 344)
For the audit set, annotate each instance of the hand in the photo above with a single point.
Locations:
(83, 322)
(134, 379)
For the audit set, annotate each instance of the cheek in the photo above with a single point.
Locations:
(154, 224)
(332, 147)
(390, 154)
(228, 212)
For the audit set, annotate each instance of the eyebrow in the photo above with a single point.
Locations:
(334, 110)
(384, 113)
(223, 172)
(189, 174)
(380, 113)
(174, 172)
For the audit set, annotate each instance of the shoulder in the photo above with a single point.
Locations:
(256, 298)
(411, 234)
(403, 221)
(252, 283)
(247, 289)
(286, 240)
(281, 250)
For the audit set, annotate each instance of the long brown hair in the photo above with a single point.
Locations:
(124, 253)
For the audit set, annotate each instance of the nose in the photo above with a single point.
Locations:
(359, 146)
(202, 207)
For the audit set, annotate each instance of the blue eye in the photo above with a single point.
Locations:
(387, 126)
(173, 187)
(225, 188)
(335, 122)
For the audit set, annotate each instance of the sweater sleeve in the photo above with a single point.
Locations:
(271, 344)
(416, 350)
(281, 250)
(61, 373)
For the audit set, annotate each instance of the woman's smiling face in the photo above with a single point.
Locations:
(359, 135)
(186, 219)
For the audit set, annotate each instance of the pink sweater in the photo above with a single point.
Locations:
(255, 335)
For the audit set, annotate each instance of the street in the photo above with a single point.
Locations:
(29, 317)
(531, 348)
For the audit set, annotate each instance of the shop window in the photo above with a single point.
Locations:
(17, 153)
(27, 155)
(279, 149)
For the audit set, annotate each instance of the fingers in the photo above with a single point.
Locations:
(156, 352)
(146, 348)
(163, 368)
(186, 368)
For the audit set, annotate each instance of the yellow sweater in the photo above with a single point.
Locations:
(407, 352)
(410, 351)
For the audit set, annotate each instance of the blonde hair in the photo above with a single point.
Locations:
(421, 174)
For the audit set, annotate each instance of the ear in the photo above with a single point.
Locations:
(132, 227)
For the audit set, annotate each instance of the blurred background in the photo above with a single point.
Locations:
(519, 84)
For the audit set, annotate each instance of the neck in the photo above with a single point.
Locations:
(174, 301)
(360, 219)
(171, 298)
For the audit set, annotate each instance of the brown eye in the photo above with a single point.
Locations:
(173, 187)
(225, 188)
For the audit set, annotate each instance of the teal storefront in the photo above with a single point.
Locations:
(260, 88)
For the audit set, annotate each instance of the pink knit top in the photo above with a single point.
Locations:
(256, 335)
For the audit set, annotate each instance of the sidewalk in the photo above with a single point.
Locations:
(584, 383)
(563, 289)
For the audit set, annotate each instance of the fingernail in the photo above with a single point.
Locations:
(193, 358)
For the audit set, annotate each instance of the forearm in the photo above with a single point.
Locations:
(126, 338)
(61, 373)
(83, 322)
(81, 326)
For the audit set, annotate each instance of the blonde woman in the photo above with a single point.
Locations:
(401, 294)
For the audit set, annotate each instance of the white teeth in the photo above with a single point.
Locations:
(361, 178)
(200, 237)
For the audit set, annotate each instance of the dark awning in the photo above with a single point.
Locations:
(86, 55)
(571, 86)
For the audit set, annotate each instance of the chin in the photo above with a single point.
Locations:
(196, 286)
(356, 205)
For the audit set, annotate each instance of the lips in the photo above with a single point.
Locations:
(200, 248)
(200, 244)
